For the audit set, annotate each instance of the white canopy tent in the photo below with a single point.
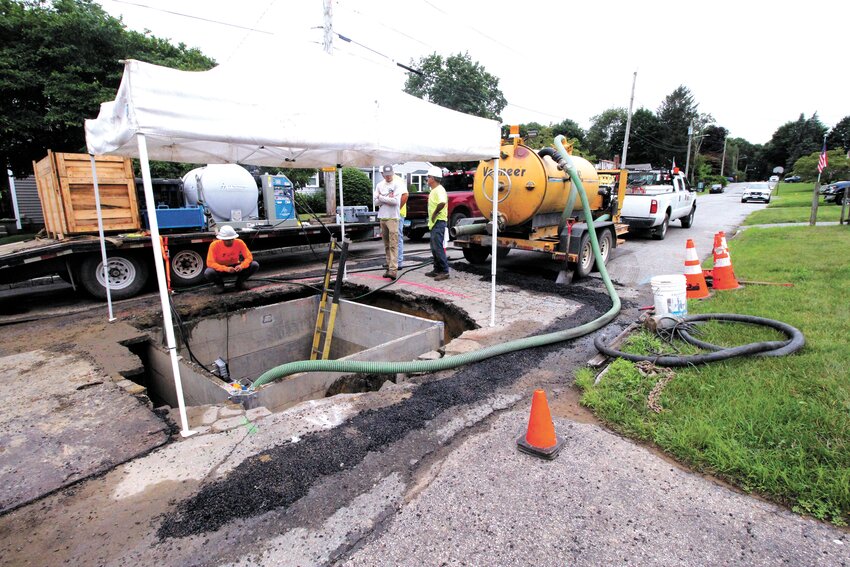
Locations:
(250, 112)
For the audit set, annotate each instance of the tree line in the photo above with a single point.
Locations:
(61, 59)
(659, 137)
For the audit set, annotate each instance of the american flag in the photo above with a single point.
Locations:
(823, 161)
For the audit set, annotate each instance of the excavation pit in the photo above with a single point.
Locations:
(254, 340)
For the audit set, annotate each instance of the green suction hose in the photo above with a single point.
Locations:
(366, 367)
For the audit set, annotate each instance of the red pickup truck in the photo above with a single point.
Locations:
(461, 204)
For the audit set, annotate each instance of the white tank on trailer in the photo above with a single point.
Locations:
(228, 191)
(190, 187)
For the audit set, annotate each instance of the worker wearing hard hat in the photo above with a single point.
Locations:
(228, 254)
(388, 196)
(438, 218)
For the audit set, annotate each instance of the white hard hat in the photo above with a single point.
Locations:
(226, 232)
(435, 172)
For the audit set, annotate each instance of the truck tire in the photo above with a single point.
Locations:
(127, 276)
(455, 218)
(660, 232)
(476, 254)
(606, 244)
(415, 235)
(688, 221)
(187, 267)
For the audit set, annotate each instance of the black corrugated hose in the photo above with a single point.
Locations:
(795, 342)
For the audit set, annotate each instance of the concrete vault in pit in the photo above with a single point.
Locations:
(257, 339)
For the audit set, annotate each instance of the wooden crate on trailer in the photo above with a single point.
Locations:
(66, 191)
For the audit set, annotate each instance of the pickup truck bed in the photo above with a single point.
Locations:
(653, 207)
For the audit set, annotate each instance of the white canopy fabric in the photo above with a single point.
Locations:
(313, 110)
(291, 108)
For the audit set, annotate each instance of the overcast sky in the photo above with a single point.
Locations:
(752, 65)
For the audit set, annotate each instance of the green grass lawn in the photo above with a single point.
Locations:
(776, 426)
(793, 204)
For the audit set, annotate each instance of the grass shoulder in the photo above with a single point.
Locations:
(776, 426)
(793, 204)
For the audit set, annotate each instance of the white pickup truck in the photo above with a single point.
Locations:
(653, 199)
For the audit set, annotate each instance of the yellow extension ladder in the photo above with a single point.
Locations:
(329, 304)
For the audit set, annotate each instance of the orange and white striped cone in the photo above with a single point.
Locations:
(695, 281)
(723, 275)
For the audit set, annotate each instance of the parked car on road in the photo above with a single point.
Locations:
(716, 188)
(793, 179)
(756, 193)
(835, 192)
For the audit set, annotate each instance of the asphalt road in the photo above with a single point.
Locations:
(427, 472)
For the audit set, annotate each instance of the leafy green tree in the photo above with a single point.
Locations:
(546, 136)
(711, 149)
(459, 83)
(675, 115)
(646, 144)
(541, 139)
(569, 129)
(839, 136)
(310, 203)
(795, 139)
(838, 168)
(357, 187)
(58, 62)
(606, 133)
(746, 161)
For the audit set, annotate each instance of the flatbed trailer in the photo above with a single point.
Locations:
(77, 259)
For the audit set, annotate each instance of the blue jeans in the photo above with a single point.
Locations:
(438, 251)
(218, 277)
(400, 241)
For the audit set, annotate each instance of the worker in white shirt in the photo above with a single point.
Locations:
(390, 194)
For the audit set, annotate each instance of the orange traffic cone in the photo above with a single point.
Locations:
(723, 275)
(540, 439)
(695, 281)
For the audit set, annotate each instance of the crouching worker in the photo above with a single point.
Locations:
(229, 255)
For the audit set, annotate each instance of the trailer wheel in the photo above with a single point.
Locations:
(585, 257)
(187, 268)
(476, 254)
(606, 243)
(127, 276)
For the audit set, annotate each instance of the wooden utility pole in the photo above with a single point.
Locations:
(688, 157)
(723, 160)
(328, 173)
(628, 124)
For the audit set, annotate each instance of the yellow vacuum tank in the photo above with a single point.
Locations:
(530, 184)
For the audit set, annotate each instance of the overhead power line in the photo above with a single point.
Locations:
(190, 16)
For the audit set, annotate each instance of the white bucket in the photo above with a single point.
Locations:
(670, 295)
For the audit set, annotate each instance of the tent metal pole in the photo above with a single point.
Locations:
(167, 325)
(14, 199)
(493, 250)
(103, 258)
(342, 217)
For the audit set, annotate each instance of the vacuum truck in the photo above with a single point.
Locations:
(539, 210)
